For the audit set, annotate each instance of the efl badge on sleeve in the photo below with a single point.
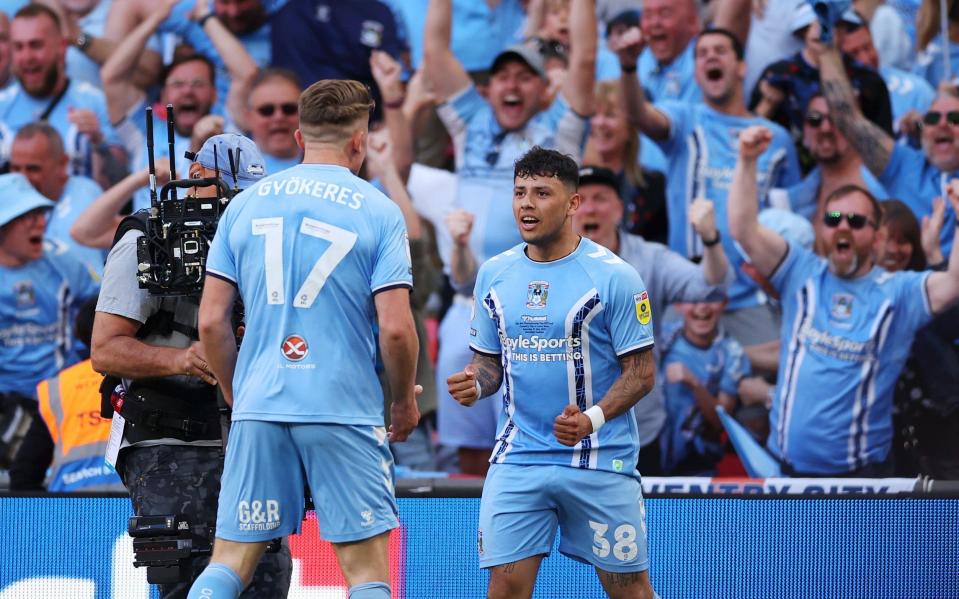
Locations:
(643, 312)
(536, 294)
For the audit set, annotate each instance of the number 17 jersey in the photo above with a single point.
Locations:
(308, 248)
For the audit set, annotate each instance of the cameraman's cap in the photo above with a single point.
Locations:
(598, 175)
(627, 18)
(17, 197)
(251, 168)
(530, 56)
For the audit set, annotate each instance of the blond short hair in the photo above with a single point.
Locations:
(330, 109)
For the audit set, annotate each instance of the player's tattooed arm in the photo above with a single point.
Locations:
(488, 371)
(636, 379)
(873, 144)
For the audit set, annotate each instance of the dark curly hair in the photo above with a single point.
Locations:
(540, 162)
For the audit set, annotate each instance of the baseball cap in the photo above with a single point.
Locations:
(17, 197)
(598, 175)
(251, 167)
(627, 18)
(802, 17)
(852, 19)
(530, 56)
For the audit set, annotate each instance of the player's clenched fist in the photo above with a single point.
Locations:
(753, 141)
(571, 426)
(462, 386)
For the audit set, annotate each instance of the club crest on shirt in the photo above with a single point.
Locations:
(841, 305)
(295, 348)
(26, 296)
(644, 312)
(536, 295)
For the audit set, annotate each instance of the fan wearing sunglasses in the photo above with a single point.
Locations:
(273, 116)
(847, 326)
(917, 177)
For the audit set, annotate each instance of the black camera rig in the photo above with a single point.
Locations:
(172, 253)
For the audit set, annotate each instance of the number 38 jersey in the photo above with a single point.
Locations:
(560, 329)
(308, 248)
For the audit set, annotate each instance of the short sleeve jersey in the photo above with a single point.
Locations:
(308, 248)
(854, 333)
(560, 328)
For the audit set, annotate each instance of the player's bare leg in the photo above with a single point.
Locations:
(514, 580)
(365, 561)
(626, 585)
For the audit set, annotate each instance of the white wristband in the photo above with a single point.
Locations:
(479, 390)
(596, 416)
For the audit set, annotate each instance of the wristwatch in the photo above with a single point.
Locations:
(83, 41)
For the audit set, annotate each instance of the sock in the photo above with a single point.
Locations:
(370, 590)
(216, 582)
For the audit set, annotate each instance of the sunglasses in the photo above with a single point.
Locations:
(287, 108)
(934, 116)
(856, 221)
(815, 119)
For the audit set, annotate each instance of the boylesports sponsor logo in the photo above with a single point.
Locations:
(537, 343)
(836, 346)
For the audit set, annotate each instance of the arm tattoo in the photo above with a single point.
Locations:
(489, 372)
(634, 382)
(873, 144)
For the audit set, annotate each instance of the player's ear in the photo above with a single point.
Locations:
(298, 136)
(575, 201)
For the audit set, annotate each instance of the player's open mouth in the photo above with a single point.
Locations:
(528, 223)
(589, 228)
(36, 240)
(188, 108)
(714, 74)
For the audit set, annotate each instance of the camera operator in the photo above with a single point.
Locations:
(170, 458)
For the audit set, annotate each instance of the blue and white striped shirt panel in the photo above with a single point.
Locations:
(701, 151)
(563, 349)
(844, 343)
(485, 154)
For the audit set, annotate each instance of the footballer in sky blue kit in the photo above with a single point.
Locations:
(566, 326)
(307, 249)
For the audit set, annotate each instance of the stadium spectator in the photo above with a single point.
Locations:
(6, 52)
(581, 475)
(70, 407)
(37, 154)
(666, 63)
(614, 143)
(272, 118)
(915, 176)
(171, 455)
(669, 278)
(931, 60)
(332, 398)
(42, 92)
(844, 321)
(41, 293)
(699, 142)
(490, 134)
(248, 22)
(889, 32)
(909, 94)
(341, 34)
(925, 403)
(786, 87)
(702, 368)
(770, 37)
(836, 164)
(188, 84)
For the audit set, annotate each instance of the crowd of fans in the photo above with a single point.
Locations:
(651, 97)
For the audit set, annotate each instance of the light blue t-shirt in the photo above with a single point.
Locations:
(18, 108)
(275, 164)
(308, 248)
(38, 303)
(844, 343)
(560, 329)
(701, 150)
(910, 177)
(77, 196)
(907, 91)
(719, 368)
(673, 81)
(931, 63)
(803, 197)
(485, 154)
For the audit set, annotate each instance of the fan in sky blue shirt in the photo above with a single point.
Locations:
(308, 248)
(855, 334)
(560, 328)
(673, 81)
(701, 153)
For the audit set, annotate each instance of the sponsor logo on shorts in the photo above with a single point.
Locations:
(367, 518)
(295, 348)
(258, 515)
